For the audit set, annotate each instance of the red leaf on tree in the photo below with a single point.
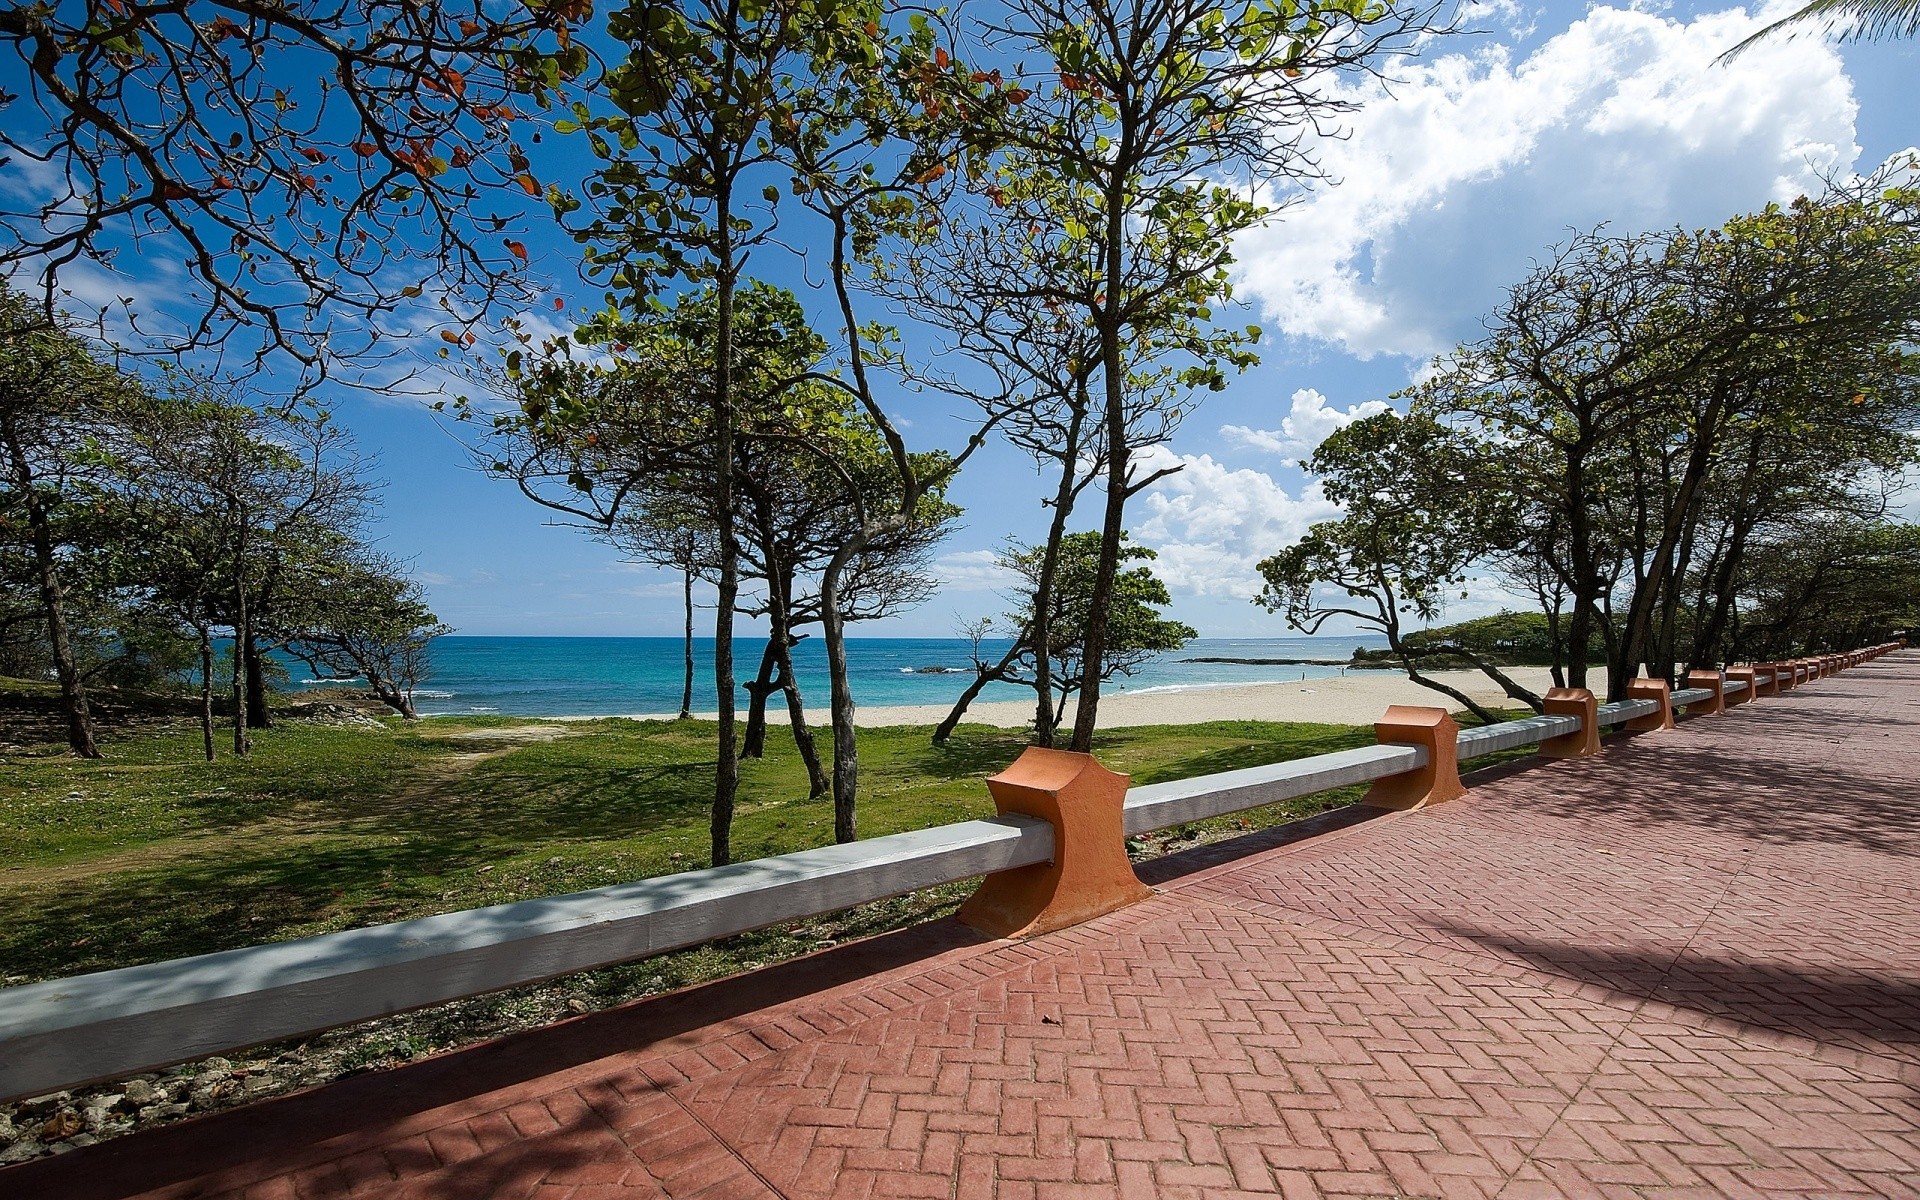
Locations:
(559, 304)
(528, 183)
(940, 58)
(469, 28)
(460, 156)
(312, 155)
(1017, 95)
(517, 249)
(448, 335)
(365, 149)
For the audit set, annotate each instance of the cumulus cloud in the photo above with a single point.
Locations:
(1458, 177)
(1311, 421)
(971, 571)
(1212, 523)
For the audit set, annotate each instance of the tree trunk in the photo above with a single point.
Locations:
(1045, 718)
(206, 689)
(817, 782)
(726, 770)
(53, 604)
(981, 678)
(846, 746)
(1086, 717)
(686, 683)
(753, 743)
(259, 716)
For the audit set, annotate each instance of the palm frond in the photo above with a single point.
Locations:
(1854, 19)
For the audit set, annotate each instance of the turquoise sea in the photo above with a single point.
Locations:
(614, 676)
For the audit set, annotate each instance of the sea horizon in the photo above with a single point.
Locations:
(561, 675)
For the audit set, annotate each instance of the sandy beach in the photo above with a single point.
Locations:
(1356, 698)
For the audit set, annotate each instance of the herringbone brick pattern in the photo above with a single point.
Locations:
(1688, 968)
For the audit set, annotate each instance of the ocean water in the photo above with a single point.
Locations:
(613, 676)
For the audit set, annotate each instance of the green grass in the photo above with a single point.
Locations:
(153, 853)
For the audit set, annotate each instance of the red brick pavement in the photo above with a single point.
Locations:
(1690, 967)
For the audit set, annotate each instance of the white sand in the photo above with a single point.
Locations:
(1356, 698)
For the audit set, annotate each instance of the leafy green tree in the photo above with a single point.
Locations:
(1139, 630)
(364, 617)
(1830, 585)
(1420, 515)
(55, 398)
(696, 104)
(1140, 150)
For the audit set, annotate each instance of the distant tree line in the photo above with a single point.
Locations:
(145, 519)
(1681, 444)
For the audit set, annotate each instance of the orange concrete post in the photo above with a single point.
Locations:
(1708, 679)
(1572, 702)
(1769, 685)
(1089, 874)
(1790, 672)
(1655, 690)
(1746, 694)
(1438, 781)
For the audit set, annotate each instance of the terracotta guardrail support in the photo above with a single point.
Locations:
(1714, 681)
(1768, 684)
(1660, 693)
(1572, 702)
(1435, 731)
(1745, 695)
(1089, 874)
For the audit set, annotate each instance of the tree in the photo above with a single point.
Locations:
(55, 396)
(1138, 630)
(1154, 104)
(699, 99)
(1846, 19)
(1620, 381)
(1831, 585)
(170, 131)
(1419, 516)
(365, 617)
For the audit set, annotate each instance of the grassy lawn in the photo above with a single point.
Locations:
(154, 853)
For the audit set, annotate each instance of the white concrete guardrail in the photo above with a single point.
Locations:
(69, 1032)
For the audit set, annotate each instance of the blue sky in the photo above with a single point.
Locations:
(1483, 152)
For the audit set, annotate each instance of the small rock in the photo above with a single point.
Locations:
(20, 1152)
(38, 1105)
(82, 1139)
(140, 1092)
(256, 1084)
(555, 861)
(9, 1132)
(96, 1116)
(216, 1064)
(578, 1006)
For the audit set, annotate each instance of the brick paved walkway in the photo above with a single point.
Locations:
(1688, 968)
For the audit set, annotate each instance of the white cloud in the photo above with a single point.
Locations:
(971, 571)
(1311, 422)
(1212, 523)
(1456, 179)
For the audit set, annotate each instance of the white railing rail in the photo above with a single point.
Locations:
(69, 1032)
